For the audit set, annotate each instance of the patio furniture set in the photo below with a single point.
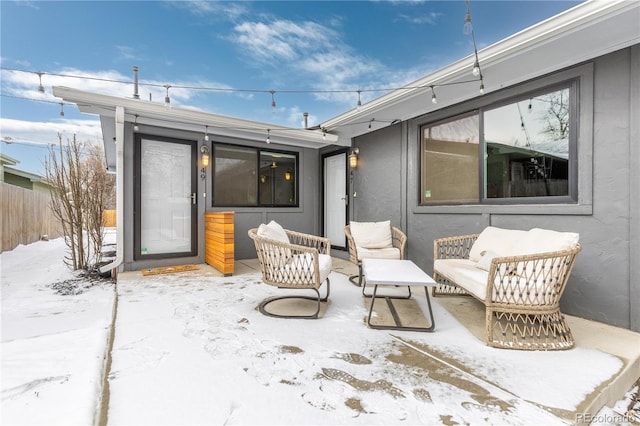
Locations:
(519, 276)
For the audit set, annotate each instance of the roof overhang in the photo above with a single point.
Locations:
(156, 114)
(585, 32)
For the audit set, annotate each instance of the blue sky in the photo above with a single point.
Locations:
(248, 47)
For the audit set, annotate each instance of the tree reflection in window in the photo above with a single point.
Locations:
(527, 147)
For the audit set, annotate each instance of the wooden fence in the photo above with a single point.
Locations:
(26, 217)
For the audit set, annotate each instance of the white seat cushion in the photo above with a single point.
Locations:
(464, 273)
(381, 253)
(515, 289)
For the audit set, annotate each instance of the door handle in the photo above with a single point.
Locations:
(194, 198)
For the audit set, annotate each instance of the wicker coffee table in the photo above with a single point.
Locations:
(391, 272)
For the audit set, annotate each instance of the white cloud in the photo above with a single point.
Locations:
(282, 39)
(46, 132)
(230, 10)
(430, 18)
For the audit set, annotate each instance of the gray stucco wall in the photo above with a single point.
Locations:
(605, 284)
(304, 218)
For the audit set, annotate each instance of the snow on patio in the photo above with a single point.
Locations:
(191, 348)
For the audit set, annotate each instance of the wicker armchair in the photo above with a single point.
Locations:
(521, 293)
(356, 254)
(302, 263)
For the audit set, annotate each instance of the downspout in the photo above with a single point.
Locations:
(119, 141)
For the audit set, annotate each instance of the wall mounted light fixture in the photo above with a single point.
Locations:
(353, 158)
(204, 158)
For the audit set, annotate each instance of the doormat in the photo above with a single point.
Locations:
(169, 269)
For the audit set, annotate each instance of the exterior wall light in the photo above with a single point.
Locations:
(204, 152)
(353, 158)
(204, 158)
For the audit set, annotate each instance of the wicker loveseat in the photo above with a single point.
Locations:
(292, 260)
(518, 275)
(377, 240)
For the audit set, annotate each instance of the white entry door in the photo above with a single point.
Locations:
(335, 198)
(166, 198)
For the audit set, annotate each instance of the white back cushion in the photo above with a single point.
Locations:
(273, 231)
(372, 235)
(545, 240)
(498, 240)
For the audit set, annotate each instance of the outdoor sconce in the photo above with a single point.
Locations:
(204, 157)
(353, 158)
(288, 175)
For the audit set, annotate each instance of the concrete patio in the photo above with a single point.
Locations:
(465, 369)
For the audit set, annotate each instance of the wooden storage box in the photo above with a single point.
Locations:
(219, 241)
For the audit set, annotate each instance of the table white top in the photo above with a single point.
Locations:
(394, 272)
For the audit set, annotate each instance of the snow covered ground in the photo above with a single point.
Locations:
(191, 348)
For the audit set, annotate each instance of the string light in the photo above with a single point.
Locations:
(40, 87)
(167, 101)
(468, 30)
(434, 99)
(273, 99)
(476, 68)
(135, 124)
(372, 120)
(268, 135)
(467, 27)
(61, 109)
(206, 133)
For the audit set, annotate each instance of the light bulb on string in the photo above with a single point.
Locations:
(135, 124)
(434, 99)
(482, 88)
(359, 104)
(206, 133)
(40, 86)
(273, 100)
(61, 109)
(268, 136)
(476, 68)
(167, 100)
(467, 27)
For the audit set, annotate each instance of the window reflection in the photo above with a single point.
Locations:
(244, 176)
(527, 147)
(450, 168)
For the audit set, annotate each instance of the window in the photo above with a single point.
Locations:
(250, 177)
(510, 151)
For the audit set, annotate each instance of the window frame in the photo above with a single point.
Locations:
(579, 201)
(258, 151)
